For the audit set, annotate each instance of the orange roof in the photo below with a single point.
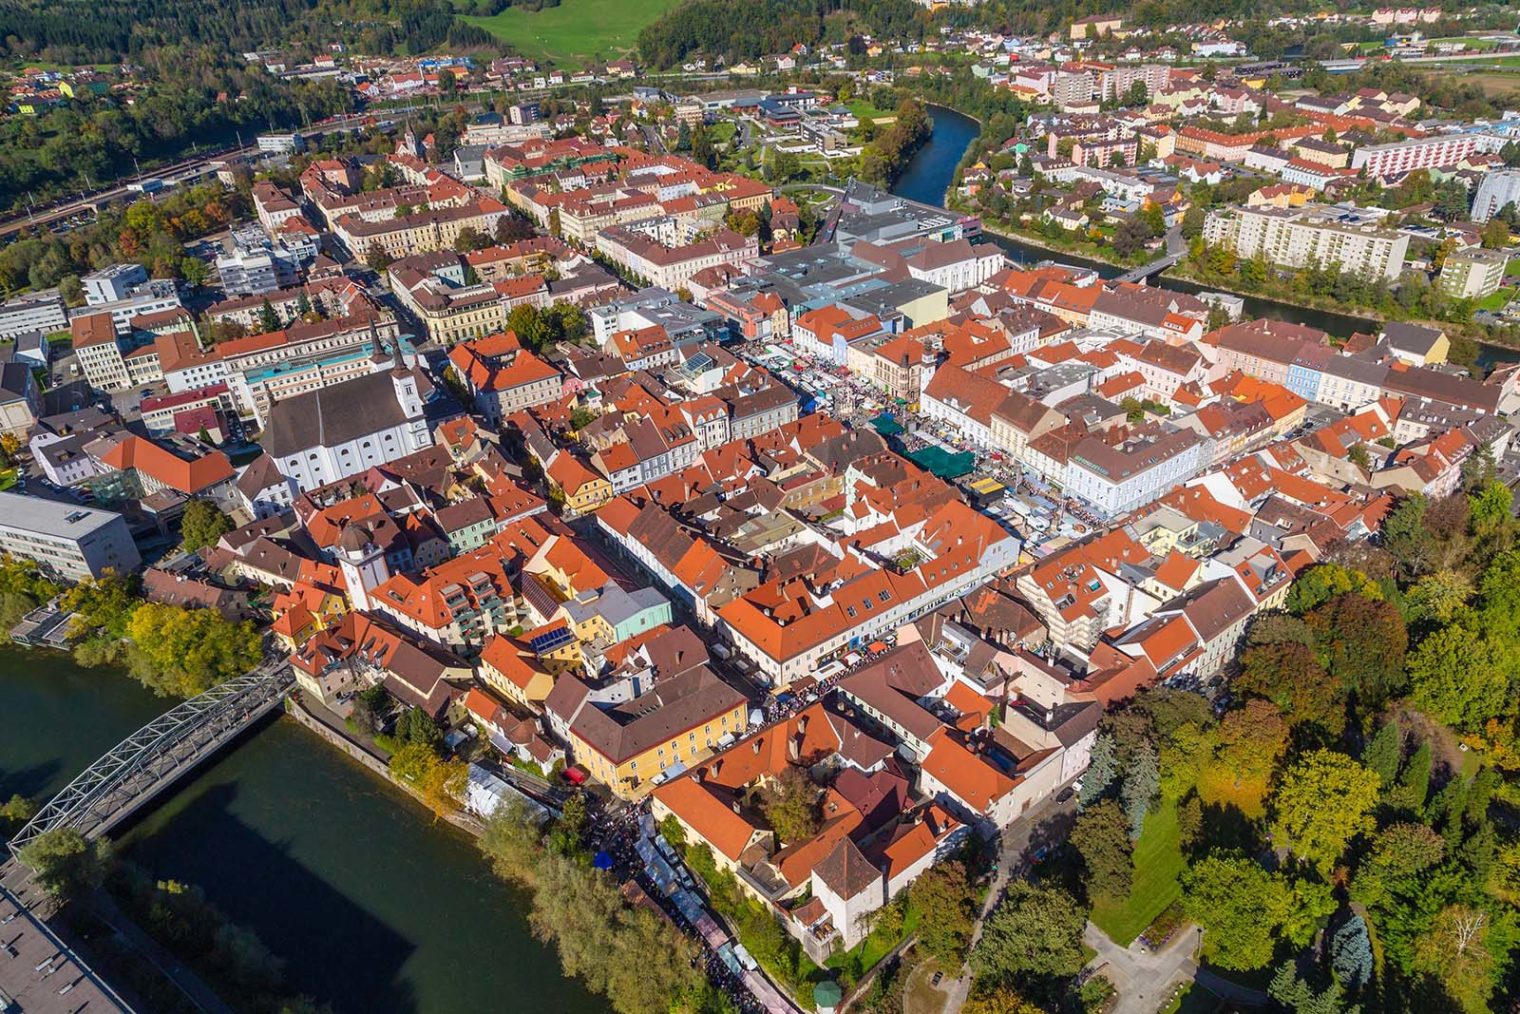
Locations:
(970, 778)
(150, 459)
(700, 810)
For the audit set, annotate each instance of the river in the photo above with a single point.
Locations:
(373, 906)
(928, 176)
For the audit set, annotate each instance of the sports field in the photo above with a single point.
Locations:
(576, 32)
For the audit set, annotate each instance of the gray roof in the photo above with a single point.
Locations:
(334, 415)
(48, 517)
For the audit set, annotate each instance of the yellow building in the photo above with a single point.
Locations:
(583, 489)
(509, 668)
(629, 746)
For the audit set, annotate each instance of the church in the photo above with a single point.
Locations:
(335, 432)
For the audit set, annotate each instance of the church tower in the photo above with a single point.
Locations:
(362, 563)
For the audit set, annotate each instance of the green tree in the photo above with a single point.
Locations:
(943, 895)
(1101, 836)
(1142, 781)
(268, 321)
(416, 726)
(1034, 931)
(1239, 906)
(470, 239)
(1320, 584)
(67, 865)
(202, 525)
(1385, 752)
(1325, 800)
(376, 259)
(1298, 996)
(18, 810)
(1495, 234)
(790, 803)
(1462, 677)
(183, 652)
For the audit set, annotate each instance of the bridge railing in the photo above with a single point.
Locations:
(140, 765)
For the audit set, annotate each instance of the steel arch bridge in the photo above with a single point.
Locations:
(153, 757)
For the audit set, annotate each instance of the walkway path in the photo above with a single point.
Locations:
(1144, 978)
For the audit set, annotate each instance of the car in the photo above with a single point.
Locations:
(1065, 794)
(937, 977)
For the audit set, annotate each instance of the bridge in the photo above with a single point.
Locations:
(151, 759)
(1175, 249)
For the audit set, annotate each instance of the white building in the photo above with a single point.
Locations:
(342, 430)
(1293, 237)
(74, 543)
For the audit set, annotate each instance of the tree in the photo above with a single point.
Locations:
(1142, 779)
(371, 706)
(202, 525)
(1384, 753)
(1320, 584)
(1325, 800)
(1455, 951)
(18, 809)
(1252, 739)
(568, 835)
(67, 865)
(183, 652)
(1290, 676)
(376, 259)
(268, 320)
(1495, 234)
(1298, 996)
(194, 271)
(943, 894)
(1034, 931)
(1363, 641)
(790, 803)
(1239, 905)
(513, 841)
(439, 782)
(1102, 768)
(1101, 836)
(1461, 676)
(998, 1000)
(416, 726)
(470, 239)
(1351, 953)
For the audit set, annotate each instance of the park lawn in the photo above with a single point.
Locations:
(1498, 301)
(722, 132)
(862, 108)
(577, 31)
(1158, 862)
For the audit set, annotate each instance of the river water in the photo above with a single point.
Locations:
(374, 907)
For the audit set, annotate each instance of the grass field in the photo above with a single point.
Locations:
(1494, 82)
(1158, 861)
(576, 32)
(1498, 301)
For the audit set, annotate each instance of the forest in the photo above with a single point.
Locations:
(761, 27)
(194, 95)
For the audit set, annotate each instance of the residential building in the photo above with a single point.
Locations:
(1293, 237)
